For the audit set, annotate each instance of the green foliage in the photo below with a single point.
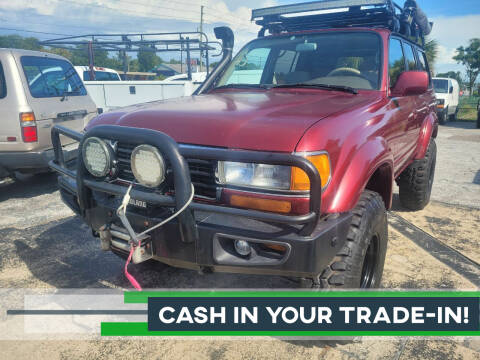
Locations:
(431, 50)
(19, 42)
(148, 60)
(469, 57)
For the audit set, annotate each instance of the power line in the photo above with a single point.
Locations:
(34, 32)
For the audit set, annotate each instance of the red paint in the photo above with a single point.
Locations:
(371, 137)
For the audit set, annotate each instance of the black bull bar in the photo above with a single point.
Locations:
(176, 154)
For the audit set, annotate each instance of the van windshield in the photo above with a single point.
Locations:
(350, 59)
(48, 77)
(440, 85)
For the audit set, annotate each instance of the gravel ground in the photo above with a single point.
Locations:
(45, 246)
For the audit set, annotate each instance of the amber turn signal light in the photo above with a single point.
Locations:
(248, 202)
(300, 180)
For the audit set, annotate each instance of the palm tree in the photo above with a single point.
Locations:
(431, 49)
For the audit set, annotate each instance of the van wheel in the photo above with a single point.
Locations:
(416, 181)
(360, 263)
(442, 118)
(454, 116)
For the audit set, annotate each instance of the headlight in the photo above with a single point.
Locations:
(254, 175)
(148, 166)
(273, 177)
(97, 157)
(440, 101)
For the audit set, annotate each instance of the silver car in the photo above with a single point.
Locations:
(37, 91)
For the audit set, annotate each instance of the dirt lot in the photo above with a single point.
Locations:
(44, 246)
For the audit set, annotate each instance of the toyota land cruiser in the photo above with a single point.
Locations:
(282, 163)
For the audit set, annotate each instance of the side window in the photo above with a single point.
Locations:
(396, 61)
(409, 55)
(3, 84)
(423, 65)
(249, 69)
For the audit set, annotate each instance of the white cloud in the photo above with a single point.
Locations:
(452, 32)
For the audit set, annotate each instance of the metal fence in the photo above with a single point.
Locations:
(468, 107)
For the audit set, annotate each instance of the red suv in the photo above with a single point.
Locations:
(291, 149)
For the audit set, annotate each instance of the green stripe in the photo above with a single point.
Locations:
(141, 329)
(142, 297)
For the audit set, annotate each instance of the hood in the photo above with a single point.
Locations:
(273, 120)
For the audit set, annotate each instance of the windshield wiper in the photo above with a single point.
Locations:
(347, 89)
(242, 86)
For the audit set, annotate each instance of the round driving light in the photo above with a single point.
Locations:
(148, 166)
(97, 157)
(242, 247)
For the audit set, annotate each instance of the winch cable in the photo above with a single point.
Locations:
(135, 238)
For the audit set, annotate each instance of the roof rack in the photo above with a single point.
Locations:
(339, 14)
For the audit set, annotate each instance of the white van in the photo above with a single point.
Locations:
(37, 91)
(447, 92)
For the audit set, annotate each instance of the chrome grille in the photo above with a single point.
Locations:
(202, 172)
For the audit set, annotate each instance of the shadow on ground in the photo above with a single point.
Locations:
(461, 124)
(64, 254)
(28, 186)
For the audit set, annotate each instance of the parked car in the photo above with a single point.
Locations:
(37, 91)
(447, 92)
(287, 173)
(99, 74)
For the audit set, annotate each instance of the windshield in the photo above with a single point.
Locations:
(101, 76)
(441, 86)
(339, 59)
(49, 77)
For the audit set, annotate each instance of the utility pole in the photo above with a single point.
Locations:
(201, 37)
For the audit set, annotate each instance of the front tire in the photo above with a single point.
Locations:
(359, 264)
(416, 181)
(442, 117)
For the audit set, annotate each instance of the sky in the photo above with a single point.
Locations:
(455, 21)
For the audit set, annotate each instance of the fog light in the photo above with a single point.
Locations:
(243, 247)
(148, 166)
(97, 157)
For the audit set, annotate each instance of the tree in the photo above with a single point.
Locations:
(470, 58)
(148, 60)
(453, 75)
(19, 42)
(431, 50)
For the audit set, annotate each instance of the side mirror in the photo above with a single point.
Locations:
(451, 90)
(411, 83)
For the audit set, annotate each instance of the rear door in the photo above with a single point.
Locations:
(418, 106)
(56, 95)
(401, 108)
(426, 102)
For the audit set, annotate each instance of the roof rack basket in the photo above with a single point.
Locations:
(341, 14)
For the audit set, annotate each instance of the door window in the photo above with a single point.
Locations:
(396, 64)
(3, 84)
(409, 55)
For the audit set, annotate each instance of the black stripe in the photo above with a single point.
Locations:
(77, 312)
(468, 268)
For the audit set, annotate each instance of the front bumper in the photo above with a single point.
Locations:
(34, 159)
(203, 237)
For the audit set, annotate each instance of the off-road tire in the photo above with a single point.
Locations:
(416, 181)
(366, 245)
